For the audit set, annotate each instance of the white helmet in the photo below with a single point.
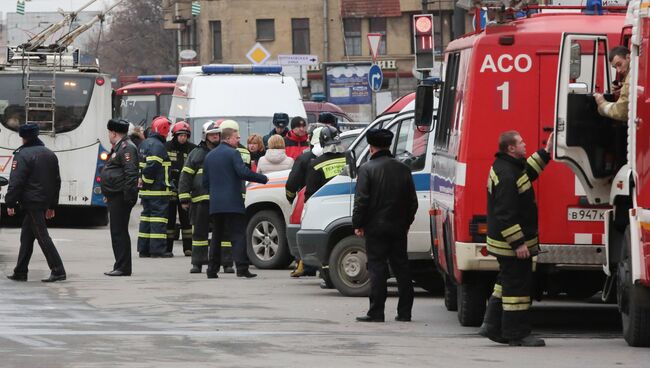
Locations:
(229, 124)
(210, 127)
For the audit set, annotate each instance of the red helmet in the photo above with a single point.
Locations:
(160, 126)
(181, 127)
(219, 121)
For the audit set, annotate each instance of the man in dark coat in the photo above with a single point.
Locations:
(120, 188)
(34, 183)
(385, 204)
(280, 123)
(223, 172)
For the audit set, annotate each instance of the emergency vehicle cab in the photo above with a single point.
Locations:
(139, 102)
(610, 158)
(499, 79)
(248, 94)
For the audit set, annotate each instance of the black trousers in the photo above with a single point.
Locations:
(152, 235)
(35, 228)
(508, 311)
(186, 227)
(384, 248)
(119, 213)
(235, 223)
(200, 214)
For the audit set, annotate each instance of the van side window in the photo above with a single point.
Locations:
(447, 102)
(411, 145)
(366, 154)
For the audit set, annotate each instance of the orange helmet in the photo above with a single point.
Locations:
(181, 127)
(160, 126)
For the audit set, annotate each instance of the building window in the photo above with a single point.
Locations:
(215, 26)
(378, 25)
(265, 29)
(352, 33)
(300, 35)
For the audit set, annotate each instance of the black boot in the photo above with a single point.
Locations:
(18, 277)
(246, 273)
(196, 269)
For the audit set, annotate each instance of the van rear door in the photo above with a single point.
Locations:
(584, 140)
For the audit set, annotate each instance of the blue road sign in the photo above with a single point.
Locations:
(375, 78)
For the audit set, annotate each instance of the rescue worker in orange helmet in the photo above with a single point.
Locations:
(156, 190)
(178, 148)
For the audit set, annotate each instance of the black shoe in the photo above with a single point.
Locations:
(195, 269)
(246, 273)
(117, 273)
(18, 277)
(212, 275)
(399, 318)
(188, 253)
(367, 318)
(144, 255)
(164, 255)
(484, 331)
(228, 269)
(54, 278)
(323, 285)
(530, 341)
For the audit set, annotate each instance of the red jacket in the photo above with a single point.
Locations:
(295, 145)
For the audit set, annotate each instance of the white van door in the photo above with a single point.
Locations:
(590, 144)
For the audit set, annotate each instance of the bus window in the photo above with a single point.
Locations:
(73, 95)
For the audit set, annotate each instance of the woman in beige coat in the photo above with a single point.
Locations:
(275, 158)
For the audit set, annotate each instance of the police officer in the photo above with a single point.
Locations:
(155, 192)
(195, 197)
(280, 123)
(34, 183)
(322, 169)
(120, 188)
(385, 204)
(178, 148)
(513, 239)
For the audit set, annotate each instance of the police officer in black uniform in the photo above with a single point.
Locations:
(120, 188)
(513, 239)
(34, 183)
(385, 204)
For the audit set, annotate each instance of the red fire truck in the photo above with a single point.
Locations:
(139, 102)
(611, 158)
(500, 79)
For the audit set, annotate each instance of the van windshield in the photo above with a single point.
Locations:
(73, 93)
(247, 126)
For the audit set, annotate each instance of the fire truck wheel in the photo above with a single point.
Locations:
(472, 300)
(266, 241)
(451, 295)
(348, 270)
(633, 301)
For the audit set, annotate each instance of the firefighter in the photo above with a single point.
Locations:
(178, 148)
(619, 57)
(156, 189)
(195, 197)
(322, 169)
(119, 181)
(513, 239)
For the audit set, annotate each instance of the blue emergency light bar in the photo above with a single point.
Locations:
(157, 78)
(241, 69)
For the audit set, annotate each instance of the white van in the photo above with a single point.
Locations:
(248, 94)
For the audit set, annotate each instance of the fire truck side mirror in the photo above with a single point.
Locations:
(424, 96)
(351, 163)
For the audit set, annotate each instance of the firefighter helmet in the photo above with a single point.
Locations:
(229, 124)
(181, 127)
(160, 125)
(329, 136)
(210, 127)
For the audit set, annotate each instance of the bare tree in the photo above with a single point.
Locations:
(134, 41)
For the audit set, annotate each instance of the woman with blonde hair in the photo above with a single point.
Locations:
(255, 146)
(276, 158)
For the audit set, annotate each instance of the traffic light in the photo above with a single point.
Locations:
(423, 40)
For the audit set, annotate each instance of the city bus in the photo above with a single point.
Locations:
(139, 102)
(71, 104)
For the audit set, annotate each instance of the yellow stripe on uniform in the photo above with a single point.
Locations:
(200, 172)
(524, 187)
(330, 162)
(155, 158)
(511, 230)
(184, 196)
(498, 291)
(226, 244)
(152, 236)
(200, 243)
(494, 177)
(145, 180)
(516, 299)
(515, 307)
(289, 193)
(536, 162)
(189, 170)
(154, 219)
(205, 197)
(156, 193)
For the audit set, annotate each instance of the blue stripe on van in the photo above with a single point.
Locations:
(422, 184)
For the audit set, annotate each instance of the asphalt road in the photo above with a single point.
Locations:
(163, 316)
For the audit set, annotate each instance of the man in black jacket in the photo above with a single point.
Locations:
(513, 239)
(120, 188)
(385, 203)
(34, 183)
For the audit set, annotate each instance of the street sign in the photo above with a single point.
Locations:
(298, 59)
(373, 40)
(375, 78)
(187, 54)
(258, 54)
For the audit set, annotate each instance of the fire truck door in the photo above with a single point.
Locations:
(583, 138)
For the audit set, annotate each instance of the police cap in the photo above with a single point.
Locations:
(118, 126)
(379, 137)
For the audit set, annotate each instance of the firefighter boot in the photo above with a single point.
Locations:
(527, 341)
(299, 271)
(195, 269)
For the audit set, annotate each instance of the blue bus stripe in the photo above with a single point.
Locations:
(422, 183)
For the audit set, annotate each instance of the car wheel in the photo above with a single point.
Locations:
(348, 267)
(266, 240)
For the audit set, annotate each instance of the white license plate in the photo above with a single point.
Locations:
(586, 214)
